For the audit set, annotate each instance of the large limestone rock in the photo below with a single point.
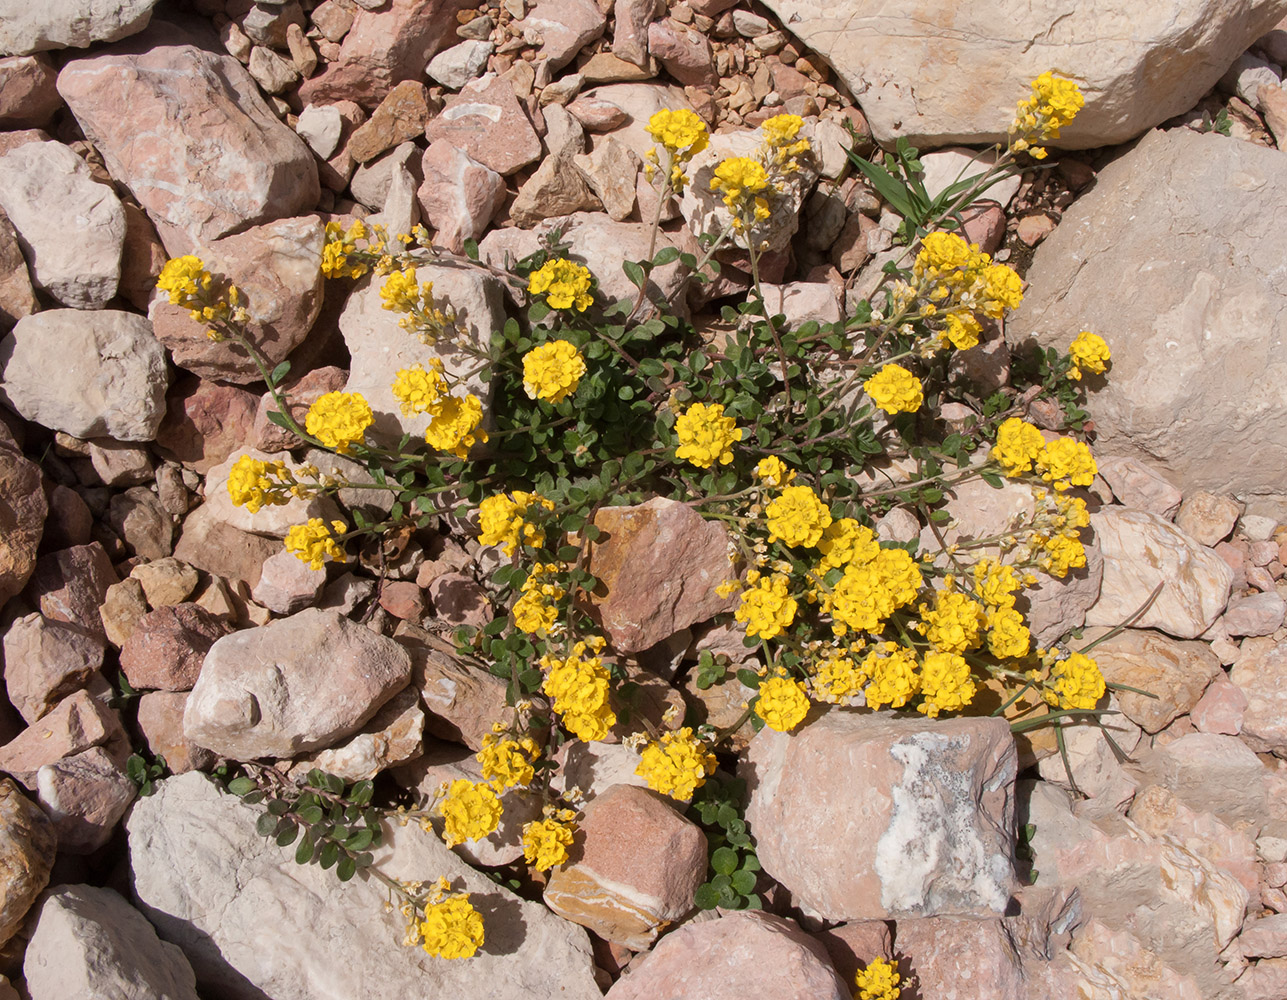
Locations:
(258, 693)
(871, 817)
(90, 374)
(940, 72)
(254, 924)
(89, 943)
(27, 849)
(1171, 257)
(71, 227)
(27, 27)
(1262, 677)
(274, 520)
(168, 117)
(1176, 673)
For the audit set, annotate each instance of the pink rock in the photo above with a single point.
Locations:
(164, 116)
(685, 53)
(1208, 517)
(28, 98)
(1140, 485)
(486, 121)
(142, 257)
(459, 600)
(1140, 971)
(1235, 555)
(161, 722)
(985, 225)
(1035, 228)
(205, 422)
(222, 550)
(1262, 676)
(564, 27)
(459, 196)
(383, 48)
(1256, 614)
(70, 585)
(403, 599)
(288, 584)
(278, 268)
(741, 954)
(85, 795)
(167, 647)
(12, 140)
(1264, 938)
(46, 660)
(300, 393)
(22, 518)
(1220, 709)
(854, 945)
(76, 723)
(1160, 813)
(1262, 553)
(596, 115)
(643, 598)
(17, 296)
(867, 816)
(1174, 672)
(463, 698)
(399, 117)
(963, 959)
(633, 869)
(1266, 980)
(630, 35)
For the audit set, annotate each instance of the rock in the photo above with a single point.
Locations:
(1139, 485)
(124, 605)
(596, 115)
(168, 645)
(944, 167)
(17, 297)
(595, 768)
(1093, 765)
(1264, 938)
(400, 116)
(165, 581)
(119, 464)
(1168, 398)
(28, 98)
(985, 225)
(639, 102)
(630, 32)
(1220, 709)
(393, 736)
(89, 942)
(379, 347)
(563, 27)
(372, 181)
(205, 422)
(27, 849)
(803, 302)
(1176, 672)
(300, 393)
(1141, 551)
(1262, 678)
(227, 896)
(382, 48)
(845, 818)
(641, 599)
(70, 584)
(141, 523)
(486, 121)
(251, 698)
(278, 268)
(402, 599)
(77, 723)
(1266, 980)
(556, 188)
(288, 584)
(71, 227)
(160, 718)
(96, 374)
(853, 945)
(685, 53)
(459, 196)
(85, 795)
(867, 43)
(46, 660)
(463, 698)
(737, 955)
(1120, 958)
(963, 959)
(22, 517)
(1215, 774)
(1207, 517)
(458, 600)
(610, 169)
(272, 72)
(1248, 74)
(211, 544)
(322, 127)
(1256, 614)
(70, 23)
(456, 66)
(163, 119)
(633, 869)
(275, 521)
(1159, 812)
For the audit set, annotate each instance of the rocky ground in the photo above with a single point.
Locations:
(1153, 865)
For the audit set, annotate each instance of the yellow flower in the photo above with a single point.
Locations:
(772, 471)
(892, 669)
(1065, 462)
(870, 591)
(946, 684)
(452, 928)
(1090, 353)
(781, 130)
(676, 765)
(579, 686)
(1018, 445)
(508, 762)
(895, 390)
(552, 371)
(339, 245)
(1060, 553)
(767, 608)
(401, 291)
(546, 842)
(454, 427)
(313, 542)
(995, 584)
(679, 131)
(183, 278)
(797, 517)
(502, 520)
(1008, 637)
(955, 623)
(782, 703)
(844, 542)
(706, 436)
(838, 679)
(1054, 103)
(253, 484)
(742, 179)
(879, 981)
(962, 331)
(1003, 290)
(339, 419)
(470, 811)
(565, 285)
(536, 610)
(1075, 683)
(418, 389)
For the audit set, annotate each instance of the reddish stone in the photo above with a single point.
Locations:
(1220, 708)
(22, 520)
(685, 53)
(961, 958)
(17, 296)
(85, 795)
(161, 721)
(44, 661)
(28, 98)
(459, 195)
(300, 393)
(486, 121)
(403, 599)
(222, 550)
(854, 945)
(205, 422)
(167, 647)
(400, 116)
(984, 225)
(459, 600)
(77, 723)
(70, 585)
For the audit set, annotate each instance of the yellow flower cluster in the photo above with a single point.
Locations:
(1054, 103)
(955, 623)
(1008, 636)
(188, 284)
(682, 134)
(946, 684)
(706, 436)
(782, 703)
(767, 605)
(786, 145)
(338, 248)
(564, 284)
(895, 390)
(579, 686)
(1018, 445)
(1089, 352)
(536, 609)
(503, 520)
(894, 681)
(422, 314)
(995, 585)
(957, 281)
(552, 371)
(1075, 683)
(339, 420)
(455, 425)
(470, 811)
(742, 180)
(1063, 462)
(879, 981)
(1054, 541)
(452, 928)
(839, 678)
(873, 587)
(508, 762)
(419, 389)
(254, 484)
(844, 542)
(797, 517)
(772, 471)
(546, 841)
(314, 541)
(677, 764)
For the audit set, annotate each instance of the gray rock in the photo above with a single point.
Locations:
(456, 66)
(255, 924)
(321, 126)
(27, 27)
(91, 374)
(257, 693)
(71, 227)
(288, 584)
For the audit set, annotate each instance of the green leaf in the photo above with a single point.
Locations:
(242, 786)
(361, 793)
(744, 882)
(886, 184)
(287, 835)
(724, 860)
(276, 417)
(266, 824)
(634, 272)
(304, 852)
(666, 255)
(706, 897)
(345, 869)
(471, 249)
(329, 854)
(312, 814)
(749, 677)
(359, 841)
(279, 373)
